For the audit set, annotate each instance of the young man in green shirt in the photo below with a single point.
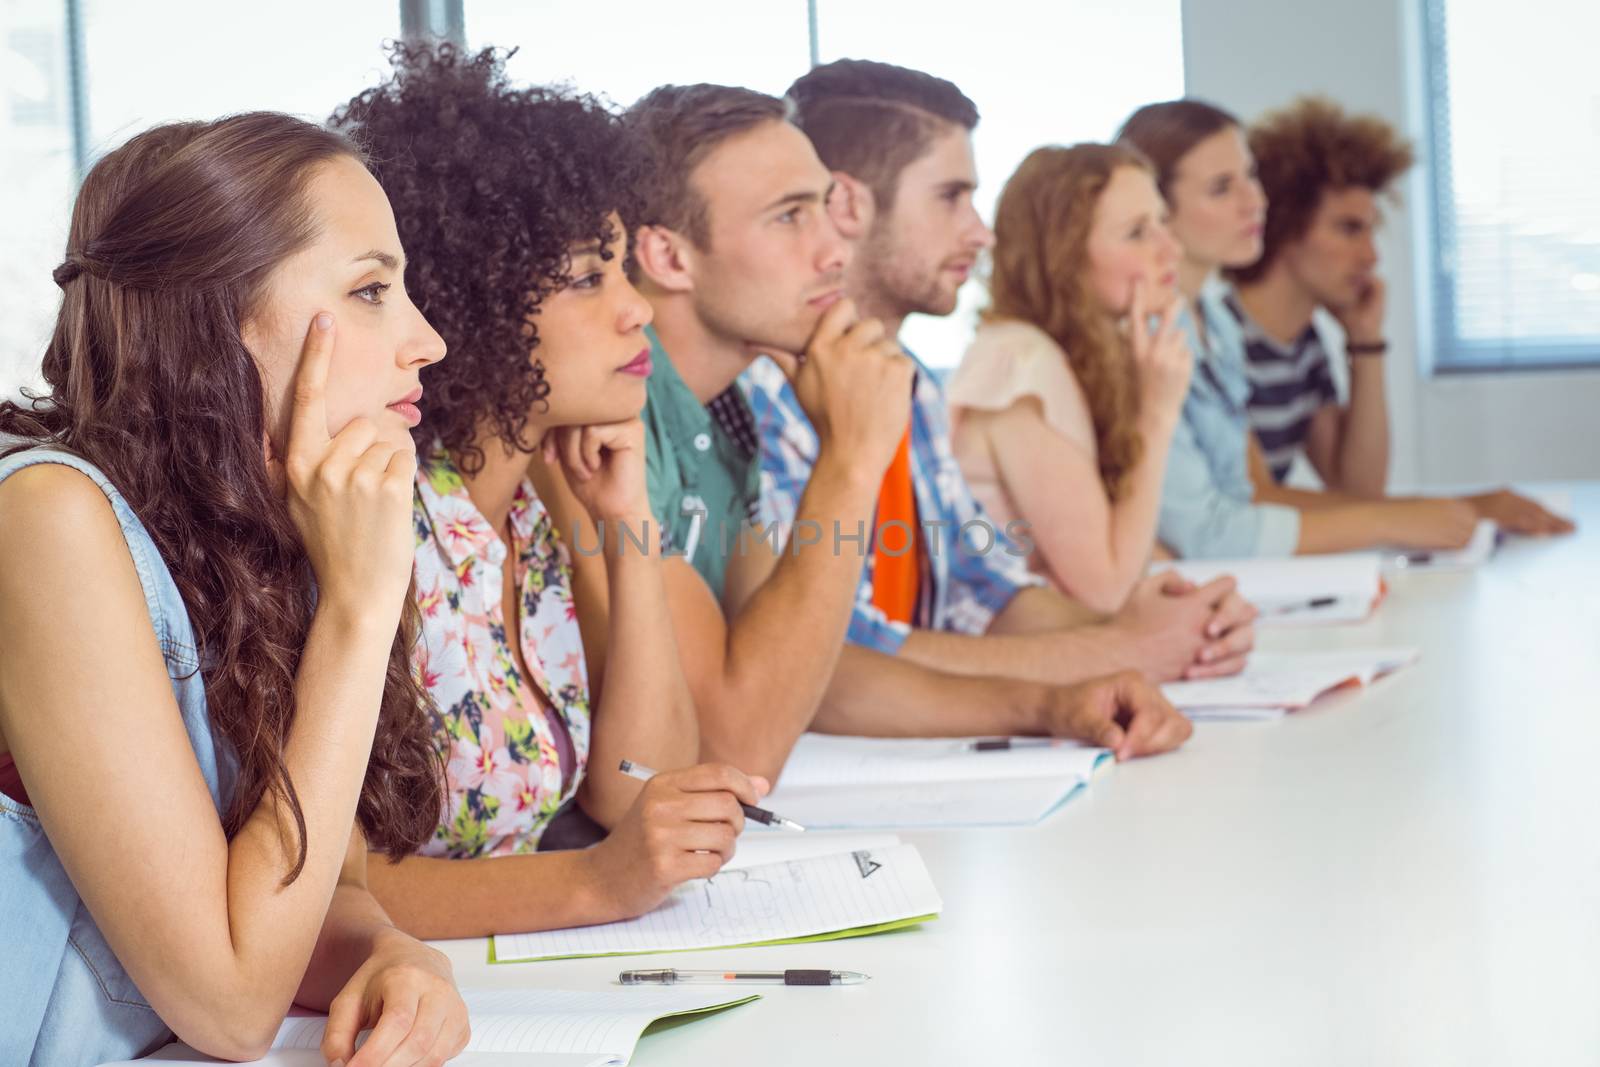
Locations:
(739, 258)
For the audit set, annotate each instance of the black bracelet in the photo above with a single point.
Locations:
(1366, 348)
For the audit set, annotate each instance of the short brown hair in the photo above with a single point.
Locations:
(1040, 276)
(1306, 149)
(680, 125)
(1168, 131)
(872, 120)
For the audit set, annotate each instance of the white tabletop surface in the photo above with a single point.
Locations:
(1409, 875)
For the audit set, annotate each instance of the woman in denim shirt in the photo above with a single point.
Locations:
(1218, 499)
(205, 546)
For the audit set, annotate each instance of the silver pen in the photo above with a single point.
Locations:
(669, 976)
(751, 812)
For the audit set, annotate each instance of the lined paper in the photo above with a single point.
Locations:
(542, 1027)
(772, 902)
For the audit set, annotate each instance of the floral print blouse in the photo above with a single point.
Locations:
(515, 747)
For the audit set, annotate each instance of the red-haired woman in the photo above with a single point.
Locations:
(1065, 404)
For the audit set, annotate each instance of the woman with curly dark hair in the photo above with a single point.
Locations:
(1063, 408)
(513, 205)
(204, 553)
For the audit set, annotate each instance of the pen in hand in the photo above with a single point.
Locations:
(751, 812)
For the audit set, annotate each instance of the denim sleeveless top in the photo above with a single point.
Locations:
(67, 999)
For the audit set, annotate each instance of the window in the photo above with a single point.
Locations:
(36, 171)
(640, 44)
(1515, 114)
(1039, 74)
(143, 65)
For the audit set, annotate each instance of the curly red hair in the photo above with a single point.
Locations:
(1040, 276)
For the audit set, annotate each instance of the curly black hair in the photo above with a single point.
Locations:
(491, 186)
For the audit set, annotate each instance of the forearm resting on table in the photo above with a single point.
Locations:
(1057, 658)
(431, 898)
(874, 695)
(355, 928)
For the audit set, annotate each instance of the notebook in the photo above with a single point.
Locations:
(820, 898)
(1278, 682)
(1485, 539)
(834, 782)
(759, 846)
(532, 1027)
(1301, 591)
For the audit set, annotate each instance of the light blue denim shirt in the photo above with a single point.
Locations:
(1206, 509)
(67, 999)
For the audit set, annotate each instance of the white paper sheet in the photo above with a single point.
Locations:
(773, 902)
(537, 1027)
(830, 760)
(1290, 592)
(833, 782)
(927, 806)
(1287, 679)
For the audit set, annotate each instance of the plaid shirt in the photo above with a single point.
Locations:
(971, 569)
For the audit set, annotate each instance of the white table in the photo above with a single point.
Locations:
(1409, 875)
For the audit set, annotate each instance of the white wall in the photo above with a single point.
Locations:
(1251, 55)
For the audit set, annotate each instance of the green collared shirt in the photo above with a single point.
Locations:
(703, 467)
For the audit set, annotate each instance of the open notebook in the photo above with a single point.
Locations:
(532, 1027)
(819, 898)
(1302, 591)
(1278, 682)
(1485, 539)
(832, 782)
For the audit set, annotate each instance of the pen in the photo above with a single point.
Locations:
(668, 976)
(1001, 744)
(1306, 605)
(760, 815)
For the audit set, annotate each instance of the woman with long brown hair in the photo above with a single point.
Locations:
(206, 710)
(1064, 406)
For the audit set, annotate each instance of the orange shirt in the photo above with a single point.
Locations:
(897, 552)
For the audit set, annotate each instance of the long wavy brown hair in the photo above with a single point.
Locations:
(173, 239)
(1040, 275)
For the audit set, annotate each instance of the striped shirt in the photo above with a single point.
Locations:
(1287, 387)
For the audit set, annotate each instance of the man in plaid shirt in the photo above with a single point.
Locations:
(899, 145)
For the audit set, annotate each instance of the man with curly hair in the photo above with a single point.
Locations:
(1324, 172)
(740, 258)
(899, 144)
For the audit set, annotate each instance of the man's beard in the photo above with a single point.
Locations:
(899, 287)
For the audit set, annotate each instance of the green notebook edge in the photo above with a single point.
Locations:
(831, 935)
(687, 1013)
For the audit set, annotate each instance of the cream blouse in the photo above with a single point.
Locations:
(1008, 361)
